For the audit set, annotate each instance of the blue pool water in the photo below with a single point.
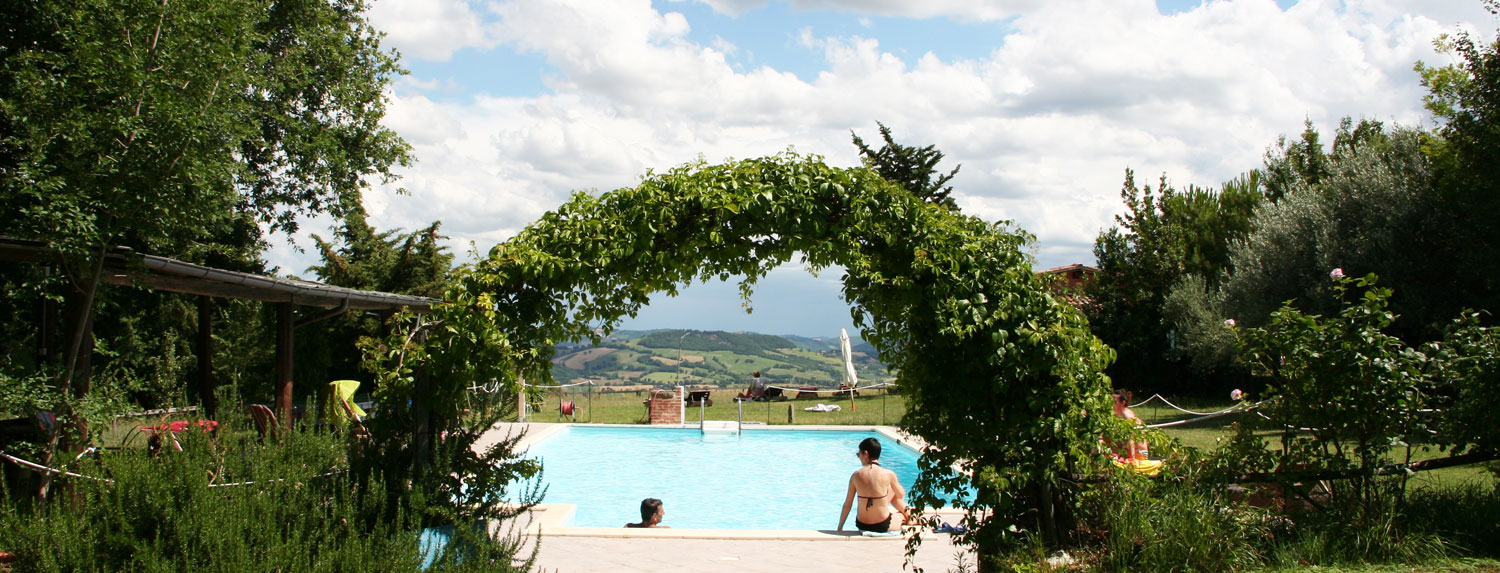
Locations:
(767, 479)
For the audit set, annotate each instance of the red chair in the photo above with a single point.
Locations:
(265, 420)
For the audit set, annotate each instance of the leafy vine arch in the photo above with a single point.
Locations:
(1000, 374)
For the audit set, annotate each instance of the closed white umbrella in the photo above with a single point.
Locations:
(849, 377)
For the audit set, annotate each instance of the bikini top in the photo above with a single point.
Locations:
(870, 500)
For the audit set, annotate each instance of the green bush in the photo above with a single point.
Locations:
(177, 511)
(1463, 514)
(1181, 529)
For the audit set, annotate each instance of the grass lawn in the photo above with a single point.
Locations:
(1206, 436)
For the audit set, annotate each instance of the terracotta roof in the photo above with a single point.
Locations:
(1069, 268)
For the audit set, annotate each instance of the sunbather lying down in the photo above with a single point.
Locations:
(823, 408)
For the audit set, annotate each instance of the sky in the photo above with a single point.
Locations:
(513, 105)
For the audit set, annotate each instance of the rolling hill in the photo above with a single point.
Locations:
(695, 358)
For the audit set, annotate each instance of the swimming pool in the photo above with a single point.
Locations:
(761, 479)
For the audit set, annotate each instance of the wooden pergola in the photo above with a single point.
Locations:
(124, 267)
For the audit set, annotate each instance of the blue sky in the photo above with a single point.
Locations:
(511, 105)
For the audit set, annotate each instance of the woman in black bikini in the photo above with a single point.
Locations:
(879, 489)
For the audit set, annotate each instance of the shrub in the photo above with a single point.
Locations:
(295, 509)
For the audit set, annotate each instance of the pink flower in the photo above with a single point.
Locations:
(1236, 394)
(1336, 274)
(1229, 322)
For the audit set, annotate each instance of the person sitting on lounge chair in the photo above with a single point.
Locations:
(756, 391)
(1135, 449)
(652, 513)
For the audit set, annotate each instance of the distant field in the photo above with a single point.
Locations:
(581, 358)
(711, 358)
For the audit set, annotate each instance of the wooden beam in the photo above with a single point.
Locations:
(127, 268)
(284, 330)
(205, 351)
(309, 297)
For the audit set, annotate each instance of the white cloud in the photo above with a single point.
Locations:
(431, 29)
(1044, 124)
(967, 10)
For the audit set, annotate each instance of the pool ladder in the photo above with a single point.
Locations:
(717, 427)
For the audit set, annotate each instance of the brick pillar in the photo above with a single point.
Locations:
(667, 411)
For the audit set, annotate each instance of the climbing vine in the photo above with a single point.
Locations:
(1001, 376)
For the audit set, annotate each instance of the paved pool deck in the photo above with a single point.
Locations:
(587, 549)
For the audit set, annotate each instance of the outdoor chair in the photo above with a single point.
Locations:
(698, 397)
(265, 420)
(343, 392)
(751, 395)
(38, 429)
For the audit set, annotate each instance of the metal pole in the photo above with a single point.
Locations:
(740, 417)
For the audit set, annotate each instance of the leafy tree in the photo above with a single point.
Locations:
(1209, 221)
(914, 168)
(359, 257)
(1138, 258)
(1345, 377)
(159, 126)
(1163, 237)
(1000, 375)
(1465, 99)
(1300, 162)
(1370, 213)
(1348, 399)
(1375, 210)
(414, 263)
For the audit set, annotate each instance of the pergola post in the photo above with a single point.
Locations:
(205, 350)
(284, 329)
(422, 438)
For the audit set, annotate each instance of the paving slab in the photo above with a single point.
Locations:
(589, 554)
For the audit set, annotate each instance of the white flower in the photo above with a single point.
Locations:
(1236, 394)
(1336, 274)
(1229, 322)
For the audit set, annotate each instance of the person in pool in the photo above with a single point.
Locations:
(878, 491)
(651, 514)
